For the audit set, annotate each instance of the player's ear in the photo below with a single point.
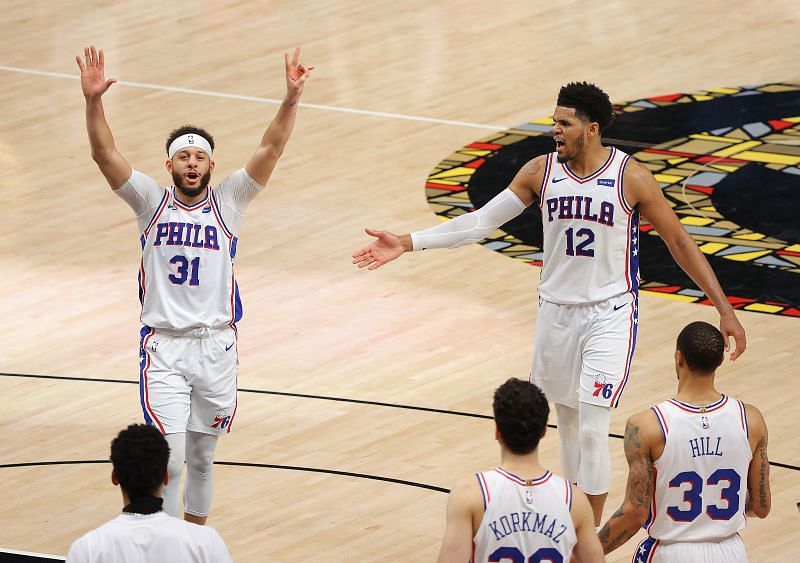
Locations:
(211, 165)
(166, 477)
(497, 435)
(114, 478)
(169, 165)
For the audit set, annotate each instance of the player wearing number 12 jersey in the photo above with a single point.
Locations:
(190, 301)
(519, 512)
(590, 197)
(698, 463)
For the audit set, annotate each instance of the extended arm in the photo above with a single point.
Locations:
(263, 161)
(465, 229)
(630, 517)
(588, 549)
(464, 499)
(104, 152)
(645, 193)
(759, 497)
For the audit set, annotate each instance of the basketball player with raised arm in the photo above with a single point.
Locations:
(190, 300)
(590, 197)
(519, 511)
(697, 464)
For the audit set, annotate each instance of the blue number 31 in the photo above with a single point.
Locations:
(183, 271)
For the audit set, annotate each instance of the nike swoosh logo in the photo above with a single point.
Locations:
(557, 180)
(618, 308)
(228, 347)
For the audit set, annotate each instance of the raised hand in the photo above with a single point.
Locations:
(388, 247)
(93, 79)
(296, 73)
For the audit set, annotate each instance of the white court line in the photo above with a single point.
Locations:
(32, 554)
(273, 101)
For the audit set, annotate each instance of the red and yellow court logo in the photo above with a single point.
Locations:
(728, 161)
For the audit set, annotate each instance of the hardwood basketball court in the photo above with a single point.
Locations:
(398, 87)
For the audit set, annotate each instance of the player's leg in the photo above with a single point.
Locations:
(165, 398)
(569, 452)
(177, 458)
(594, 472)
(610, 340)
(199, 475)
(556, 369)
(213, 406)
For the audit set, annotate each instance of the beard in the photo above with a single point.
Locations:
(177, 179)
(579, 143)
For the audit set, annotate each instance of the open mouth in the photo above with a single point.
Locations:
(192, 176)
(559, 144)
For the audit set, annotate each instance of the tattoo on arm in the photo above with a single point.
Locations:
(762, 482)
(623, 526)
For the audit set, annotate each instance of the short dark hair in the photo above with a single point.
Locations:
(185, 130)
(702, 345)
(139, 455)
(589, 102)
(520, 411)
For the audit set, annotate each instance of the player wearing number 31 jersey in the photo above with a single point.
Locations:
(698, 463)
(190, 302)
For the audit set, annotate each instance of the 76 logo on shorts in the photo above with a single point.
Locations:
(604, 389)
(221, 419)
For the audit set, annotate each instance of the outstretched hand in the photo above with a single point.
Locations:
(385, 249)
(729, 326)
(93, 78)
(296, 73)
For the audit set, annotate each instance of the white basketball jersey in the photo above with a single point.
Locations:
(146, 538)
(524, 520)
(591, 234)
(701, 478)
(186, 276)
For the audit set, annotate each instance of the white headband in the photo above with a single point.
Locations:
(190, 140)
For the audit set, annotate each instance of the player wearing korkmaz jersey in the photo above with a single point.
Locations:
(590, 197)
(698, 463)
(190, 300)
(519, 511)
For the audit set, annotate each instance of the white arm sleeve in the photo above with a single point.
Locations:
(470, 227)
(143, 194)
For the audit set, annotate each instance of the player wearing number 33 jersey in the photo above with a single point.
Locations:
(698, 462)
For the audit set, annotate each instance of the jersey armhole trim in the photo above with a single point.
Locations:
(569, 494)
(662, 422)
(159, 210)
(484, 490)
(743, 415)
(218, 213)
(548, 167)
(620, 187)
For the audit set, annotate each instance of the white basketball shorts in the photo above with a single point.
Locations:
(583, 352)
(187, 380)
(729, 550)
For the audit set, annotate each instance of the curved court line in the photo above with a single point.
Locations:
(327, 398)
(248, 464)
(273, 101)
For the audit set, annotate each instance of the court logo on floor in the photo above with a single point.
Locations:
(728, 162)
